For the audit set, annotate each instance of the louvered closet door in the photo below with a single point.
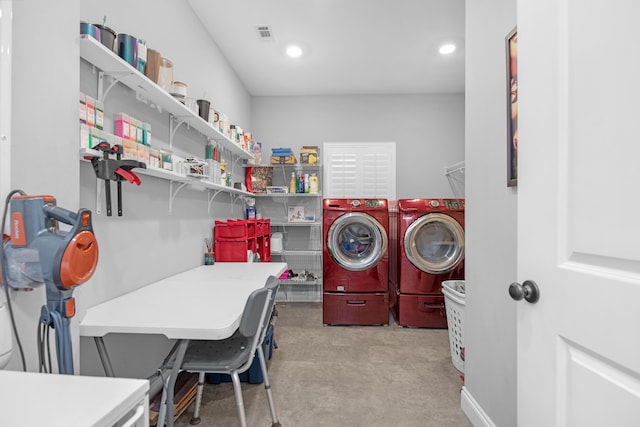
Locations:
(359, 170)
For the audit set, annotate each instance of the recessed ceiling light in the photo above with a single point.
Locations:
(294, 51)
(447, 49)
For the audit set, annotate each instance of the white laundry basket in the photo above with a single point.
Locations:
(454, 293)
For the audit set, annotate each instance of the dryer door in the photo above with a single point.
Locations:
(434, 243)
(356, 241)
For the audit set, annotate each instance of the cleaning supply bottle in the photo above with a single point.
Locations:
(313, 184)
(292, 184)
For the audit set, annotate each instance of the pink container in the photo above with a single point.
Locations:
(122, 125)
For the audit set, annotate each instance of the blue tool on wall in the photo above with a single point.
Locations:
(39, 253)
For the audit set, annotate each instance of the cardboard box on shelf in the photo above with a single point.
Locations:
(283, 160)
(309, 155)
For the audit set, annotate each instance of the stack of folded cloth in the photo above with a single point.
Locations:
(279, 152)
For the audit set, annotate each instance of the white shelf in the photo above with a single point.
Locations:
(294, 224)
(301, 282)
(300, 252)
(287, 194)
(168, 175)
(97, 54)
(299, 166)
(171, 175)
(302, 240)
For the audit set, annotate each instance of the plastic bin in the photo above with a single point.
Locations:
(233, 250)
(234, 229)
(454, 294)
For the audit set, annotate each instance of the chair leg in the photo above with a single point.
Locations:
(267, 387)
(237, 390)
(196, 412)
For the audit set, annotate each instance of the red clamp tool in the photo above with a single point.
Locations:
(115, 170)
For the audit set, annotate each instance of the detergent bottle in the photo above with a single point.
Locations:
(292, 184)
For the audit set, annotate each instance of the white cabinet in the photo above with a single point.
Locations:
(34, 399)
(296, 218)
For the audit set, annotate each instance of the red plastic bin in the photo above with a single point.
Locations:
(233, 250)
(264, 227)
(263, 247)
(235, 229)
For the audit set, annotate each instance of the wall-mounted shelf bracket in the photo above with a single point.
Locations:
(173, 194)
(173, 128)
(233, 165)
(234, 198)
(115, 78)
(215, 193)
(246, 199)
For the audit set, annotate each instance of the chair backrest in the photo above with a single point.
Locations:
(258, 308)
(272, 284)
(256, 316)
(254, 312)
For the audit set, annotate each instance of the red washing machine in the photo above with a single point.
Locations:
(429, 236)
(355, 262)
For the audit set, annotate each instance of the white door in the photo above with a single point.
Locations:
(579, 212)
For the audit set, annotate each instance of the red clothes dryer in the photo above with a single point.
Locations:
(355, 261)
(429, 234)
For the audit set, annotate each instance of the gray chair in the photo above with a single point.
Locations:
(235, 354)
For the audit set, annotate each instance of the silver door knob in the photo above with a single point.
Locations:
(528, 291)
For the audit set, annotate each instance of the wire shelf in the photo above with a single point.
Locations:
(455, 176)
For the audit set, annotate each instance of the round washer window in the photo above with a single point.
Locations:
(356, 241)
(435, 243)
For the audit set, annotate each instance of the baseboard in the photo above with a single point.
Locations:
(473, 411)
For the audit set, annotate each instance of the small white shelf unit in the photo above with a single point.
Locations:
(302, 240)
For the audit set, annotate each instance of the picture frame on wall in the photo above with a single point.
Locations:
(511, 42)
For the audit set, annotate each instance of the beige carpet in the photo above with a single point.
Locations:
(351, 376)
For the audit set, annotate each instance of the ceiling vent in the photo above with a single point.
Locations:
(264, 32)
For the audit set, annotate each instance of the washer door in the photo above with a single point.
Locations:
(434, 243)
(356, 241)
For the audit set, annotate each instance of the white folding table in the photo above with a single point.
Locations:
(205, 303)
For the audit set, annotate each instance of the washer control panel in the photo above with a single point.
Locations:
(452, 204)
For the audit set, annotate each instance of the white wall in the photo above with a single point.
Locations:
(173, 29)
(428, 131)
(148, 242)
(44, 148)
(490, 334)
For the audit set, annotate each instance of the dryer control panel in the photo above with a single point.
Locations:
(374, 203)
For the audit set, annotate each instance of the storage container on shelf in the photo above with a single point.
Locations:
(454, 299)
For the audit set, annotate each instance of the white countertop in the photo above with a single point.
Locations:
(33, 399)
(203, 303)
